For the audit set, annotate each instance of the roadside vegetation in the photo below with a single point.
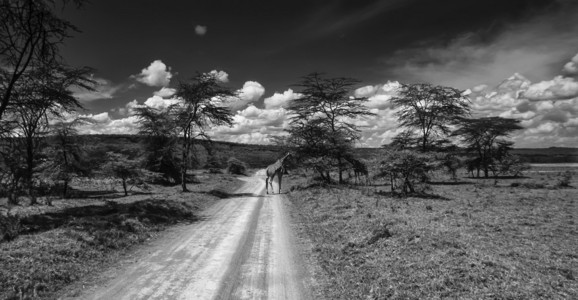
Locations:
(45, 248)
(470, 239)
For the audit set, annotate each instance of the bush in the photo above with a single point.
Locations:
(564, 179)
(407, 169)
(235, 166)
(9, 227)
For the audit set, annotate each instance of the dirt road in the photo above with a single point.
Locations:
(242, 249)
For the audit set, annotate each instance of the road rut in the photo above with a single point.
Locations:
(242, 248)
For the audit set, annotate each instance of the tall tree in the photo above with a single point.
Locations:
(160, 127)
(203, 105)
(322, 118)
(429, 110)
(30, 35)
(482, 136)
(43, 93)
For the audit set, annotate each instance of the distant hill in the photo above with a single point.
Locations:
(260, 156)
(257, 156)
(548, 155)
(528, 155)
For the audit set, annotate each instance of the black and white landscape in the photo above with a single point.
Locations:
(342, 149)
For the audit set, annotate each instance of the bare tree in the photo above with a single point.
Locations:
(429, 110)
(30, 35)
(322, 121)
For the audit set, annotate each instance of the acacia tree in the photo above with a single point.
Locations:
(30, 35)
(202, 105)
(42, 93)
(482, 137)
(65, 157)
(120, 166)
(429, 111)
(161, 145)
(322, 118)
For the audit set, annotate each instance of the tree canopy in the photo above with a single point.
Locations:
(482, 136)
(429, 110)
(30, 36)
(322, 119)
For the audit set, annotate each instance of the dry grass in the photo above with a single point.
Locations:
(76, 238)
(475, 239)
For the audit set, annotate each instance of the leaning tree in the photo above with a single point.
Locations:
(322, 119)
(428, 111)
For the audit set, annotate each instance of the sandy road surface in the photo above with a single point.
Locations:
(242, 249)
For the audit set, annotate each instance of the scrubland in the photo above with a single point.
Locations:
(46, 248)
(505, 238)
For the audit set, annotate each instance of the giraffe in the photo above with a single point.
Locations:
(276, 169)
(359, 169)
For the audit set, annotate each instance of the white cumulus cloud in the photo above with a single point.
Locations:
(559, 88)
(165, 92)
(571, 67)
(280, 100)
(221, 76)
(250, 92)
(156, 74)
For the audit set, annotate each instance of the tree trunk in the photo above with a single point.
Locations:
(340, 169)
(30, 169)
(65, 189)
(185, 158)
(124, 187)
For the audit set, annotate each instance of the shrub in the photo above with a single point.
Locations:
(235, 166)
(406, 169)
(564, 179)
(9, 227)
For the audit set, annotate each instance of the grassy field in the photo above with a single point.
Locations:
(50, 247)
(472, 239)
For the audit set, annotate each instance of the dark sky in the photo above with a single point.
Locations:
(451, 42)
(275, 42)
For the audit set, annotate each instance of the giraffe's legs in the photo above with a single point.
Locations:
(269, 180)
(280, 176)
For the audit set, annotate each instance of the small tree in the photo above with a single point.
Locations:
(65, 157)
(429, 111)
(120, 166)
(482, 137)
(406, 169)
(322, 118)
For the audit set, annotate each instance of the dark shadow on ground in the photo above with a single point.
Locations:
(225, 195)
(411, 195)
(450, 182)
(112, 214)
(498, 177)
